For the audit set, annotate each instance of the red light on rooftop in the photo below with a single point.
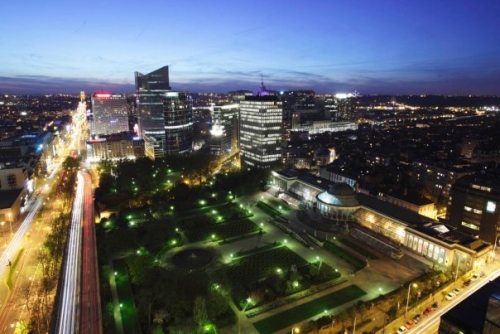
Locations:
(102, 95)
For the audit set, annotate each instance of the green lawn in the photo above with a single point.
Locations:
(125, 298)
(254, 267)
(305, 311)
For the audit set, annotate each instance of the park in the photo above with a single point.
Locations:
(214, 258)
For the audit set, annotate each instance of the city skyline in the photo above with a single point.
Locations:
(383, 47)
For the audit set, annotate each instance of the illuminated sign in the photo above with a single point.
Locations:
(102, 95)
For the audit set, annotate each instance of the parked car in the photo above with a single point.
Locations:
(428, 310)
(435, 305)
(450, 296)
(417, 318)
(467, 283)
(474, 277)
(401, 329)
(409, 324)
(457, 291)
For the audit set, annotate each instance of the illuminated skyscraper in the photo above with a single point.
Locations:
(110, 114)
(151, 91)
(261, 128)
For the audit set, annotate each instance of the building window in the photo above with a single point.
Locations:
(491, 206)
(471, 226)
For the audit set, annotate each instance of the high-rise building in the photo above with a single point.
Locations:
(109, 114)
(150, 91)
(261, 129)
(346, 107)
(227, 116)
(178, 114)
(474, 205)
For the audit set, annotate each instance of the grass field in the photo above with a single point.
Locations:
(305, 311)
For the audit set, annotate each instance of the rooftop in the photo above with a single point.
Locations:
(8, 197)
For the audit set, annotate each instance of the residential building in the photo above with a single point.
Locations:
(474, 205)
(115, 147)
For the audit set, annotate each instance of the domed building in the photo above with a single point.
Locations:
(338, 202)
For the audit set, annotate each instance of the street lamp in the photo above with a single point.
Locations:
(295, 330)
(408, 297)
(248, 301)
(320, 263)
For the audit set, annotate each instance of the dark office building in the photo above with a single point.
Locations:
(178, 114)
(474, 205)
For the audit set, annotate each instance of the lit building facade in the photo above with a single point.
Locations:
(110, 114)
(150, 92)
(219, 141)
(227, 116)
(115, 147)
(261, 129)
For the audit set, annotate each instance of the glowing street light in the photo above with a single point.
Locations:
(408, 297)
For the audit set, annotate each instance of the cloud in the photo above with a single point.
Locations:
(48, 85)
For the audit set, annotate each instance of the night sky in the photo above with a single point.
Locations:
(330, 46)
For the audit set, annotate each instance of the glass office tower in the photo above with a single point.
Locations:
(109, 114)
(150, 91)
(178, 115)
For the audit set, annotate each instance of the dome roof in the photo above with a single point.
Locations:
(341, 189)
(339, 194)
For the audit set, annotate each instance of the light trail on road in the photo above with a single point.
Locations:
(90, 313)
(67, 321)
(16, 241)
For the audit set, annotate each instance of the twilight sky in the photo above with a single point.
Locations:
(372, 46)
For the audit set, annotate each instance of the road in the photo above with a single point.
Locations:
(90, 311)
(67, 321)
(27, 237)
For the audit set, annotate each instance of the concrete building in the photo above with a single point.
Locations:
(474, 205)
(437, 178)
(115, 147)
